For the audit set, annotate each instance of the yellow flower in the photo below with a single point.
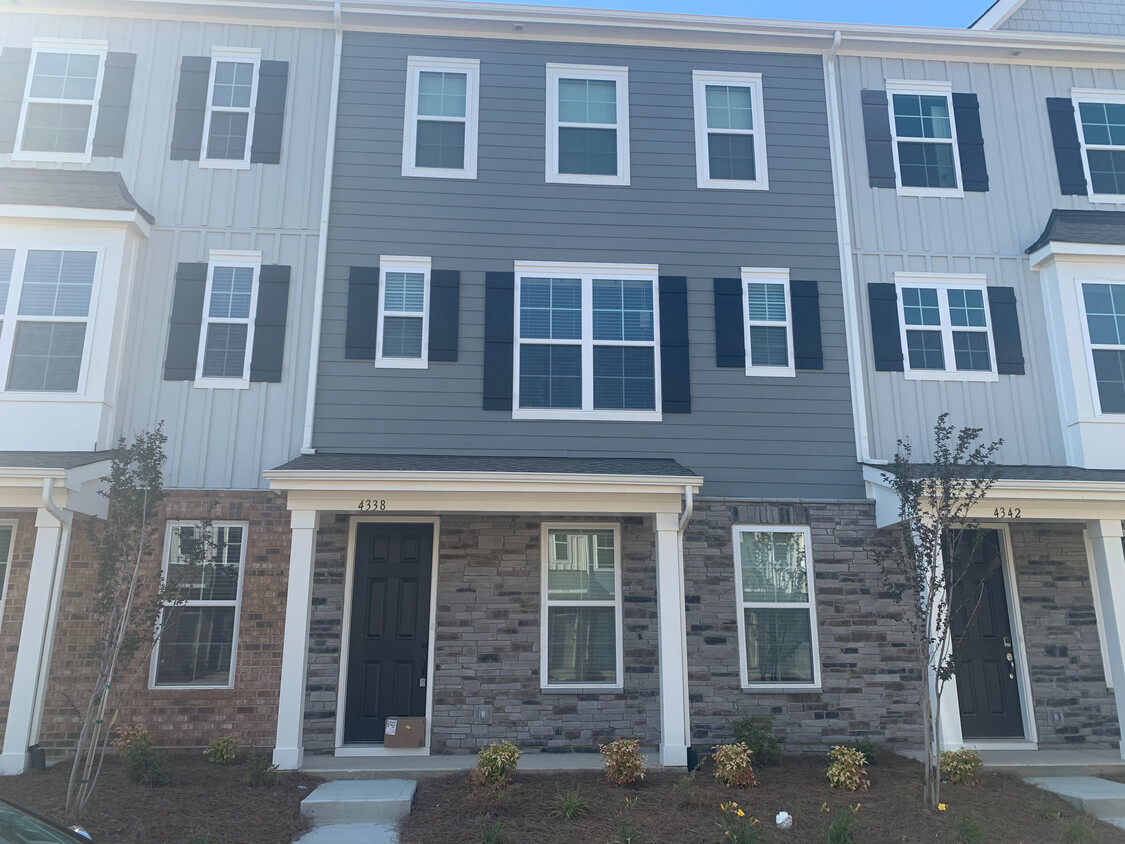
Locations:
(941, 807)
(741, 813)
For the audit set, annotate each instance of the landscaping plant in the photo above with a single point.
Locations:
(845, 769)
(732, 765)
(569, 805)
(222, 750)
(967, 829)
(737, 826)
(260, 771)
(1075, 831)
(492, 834)
(866, 747)
(960, 767)
(141, 762)
(624, 763)
(625, 829)
(842, 828)
(495, 765)
(688, 791)
(758, 736)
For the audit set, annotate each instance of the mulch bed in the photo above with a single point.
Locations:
(208, 802)
(1007, 810)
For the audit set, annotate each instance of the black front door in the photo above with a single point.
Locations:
(389, 639)
(987, 688)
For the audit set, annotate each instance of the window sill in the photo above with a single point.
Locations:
(944, 375)
(770, 372)
(153, 687)
(211, 164)
(401, 363)
(221, 384)
(1114, 198)
(589, 415)
(719, 184)
(53, 157)
(580, 179)
(952, 193)
(582, 690)
(437, 173)
(787, 688)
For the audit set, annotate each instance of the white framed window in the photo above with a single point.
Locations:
(198, 641)
(403, 333)
(767, 322)
(730, 138)
(587, 124)
(60, 103)
(45, 302)
(232, 93)
(777, 633)
(227, 333)
(924, 135)
(582, 621)
(442, 106)
(1101, 129)
(1103, 327)
(7, 549)
(946, 327)
(587, 342)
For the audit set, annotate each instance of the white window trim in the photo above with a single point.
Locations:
(587, 272)
(154, 659)
(929, 89)
(10, 318)
(619, 75)
(1088, 347)
(14, 525)
(414, 67)
(941, 281)
(741, 605)
(767, 276)
(253, 260)
(403, 264)
(617, 604)
(245, 55)
(1095, 95)
(700, 80)
(61, 45)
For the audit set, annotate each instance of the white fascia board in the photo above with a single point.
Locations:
(411, 480)
(132, 219)
(1081, 251)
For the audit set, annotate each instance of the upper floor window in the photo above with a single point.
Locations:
(587, 124)
(228, 319)
(768, 324)
(228, 124)
(1104, 305)
(730, 142)
(440, 130)
(924, 136)
(60, 101)
(1101, 116)
(587, 342)
(404, 313)
(945, 326)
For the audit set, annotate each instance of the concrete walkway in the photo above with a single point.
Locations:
(357, 811)
(380, 767)
(1104, 799)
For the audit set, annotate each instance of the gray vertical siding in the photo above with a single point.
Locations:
(787, 437)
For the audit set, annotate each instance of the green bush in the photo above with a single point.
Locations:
(845, 769)
(866, 747)
(757, 734)
(492, 834)
(569, 805)
(495, 765)
(960, 767)
(967, 829)
(260, 771)
(142, 763)
(222, 751)
(732, 765)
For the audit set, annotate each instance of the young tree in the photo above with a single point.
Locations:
(935, 507)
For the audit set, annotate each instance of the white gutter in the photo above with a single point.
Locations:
(322, 243)
(47, 645)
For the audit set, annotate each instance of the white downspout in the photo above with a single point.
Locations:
(322, 243)
(685, 517)
(53, 611)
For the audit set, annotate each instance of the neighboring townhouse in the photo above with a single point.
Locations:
(161, 182)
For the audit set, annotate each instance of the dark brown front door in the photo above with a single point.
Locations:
(390, 618)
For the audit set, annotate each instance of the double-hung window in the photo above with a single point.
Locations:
(587, 342)
(1101, 121)
(587, 124)
(45, 298)
(440, 130)
(776, 607)
(1104, 306)
(582, 623)
(228, 125)
(768, 324)
(404, 312)
(7, 548)
(199, 630)
(60, 104)
(730, 141)
(924, 137)
(946, 330)
(228, 319)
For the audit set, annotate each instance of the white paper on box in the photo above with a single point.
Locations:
(392, 726)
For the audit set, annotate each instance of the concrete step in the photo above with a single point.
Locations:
(351, 833)
(1118, 822)
(1100, 798)
(359, 802)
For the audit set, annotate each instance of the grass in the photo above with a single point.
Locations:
(569, 805)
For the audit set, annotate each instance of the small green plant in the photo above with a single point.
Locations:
(260, 771)
(688, 791)
(842, 828)
(492, 834)
(1047, 809)
(757, 734)
(1075, 831)
(845, 769)
(142, 763)
(866, 747)
(202, 838)
(960, 767)
(624, 763)
(569, 805)
(967, 829)
(732, 765)
(222, 750)
(495, 765)
(737, 826)
(625, 829)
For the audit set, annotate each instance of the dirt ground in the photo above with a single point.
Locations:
(1007, 810)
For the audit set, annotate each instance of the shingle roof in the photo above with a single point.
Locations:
(51, 459)
(68, 189)
(1107, 227)
(1047, 473)
(470, 463)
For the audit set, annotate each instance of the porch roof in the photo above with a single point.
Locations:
(413, 463)
(57, 460)
(74, 477)
(1042, 473)
(100, 190)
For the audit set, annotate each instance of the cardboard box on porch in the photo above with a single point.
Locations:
(405, 732)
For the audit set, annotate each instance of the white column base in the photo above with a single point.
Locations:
(289, 758)
(12, 764)
(1109, 566)
(673, 755)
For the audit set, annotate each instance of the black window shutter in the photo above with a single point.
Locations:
(14, 62)
(730, 345)
(1006, 330)
(970, 142)
(445, 308)
(269, 112)
(499, 327)
(269, 324)
(363, 313)
(113, 105)
(191, 108)
(877, 134)
(886, 341)
(675, 364)
(804, 301)
(187, 317)
(1068, 149)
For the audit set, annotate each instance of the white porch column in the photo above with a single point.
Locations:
(950, 708)
(672, 642)
(33, 645)
(288, 752)
(1109, 567)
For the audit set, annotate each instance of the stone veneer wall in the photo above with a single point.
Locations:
(11, 613)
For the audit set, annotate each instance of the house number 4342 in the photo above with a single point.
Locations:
(372, 504)
(1006, 513)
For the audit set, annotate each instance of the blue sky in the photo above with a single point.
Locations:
(951, 13)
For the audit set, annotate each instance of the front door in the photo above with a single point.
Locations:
(987, 686)
(390, 619)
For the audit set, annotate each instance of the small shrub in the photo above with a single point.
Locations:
(492, 834)
(842, 828)
(624, 763)
(142, 763)
(736, 826)
(222, 751)
(866, 747)
(960, 767)
(688, 791)
(625, 829)
(1076, 831)
(758, 735)
(967, 829)
(495, 765)
(845, 769)
(1047, 809)
(260, 771)
(569, 805)
(732, 765)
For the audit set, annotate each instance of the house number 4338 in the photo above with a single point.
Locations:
(372, 504)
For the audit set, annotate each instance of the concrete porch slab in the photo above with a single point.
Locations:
(1100, 798)
(379, 767)
(351, 833)
(1062, 762)
(359, 802)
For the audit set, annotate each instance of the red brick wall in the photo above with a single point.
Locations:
(11, 616)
